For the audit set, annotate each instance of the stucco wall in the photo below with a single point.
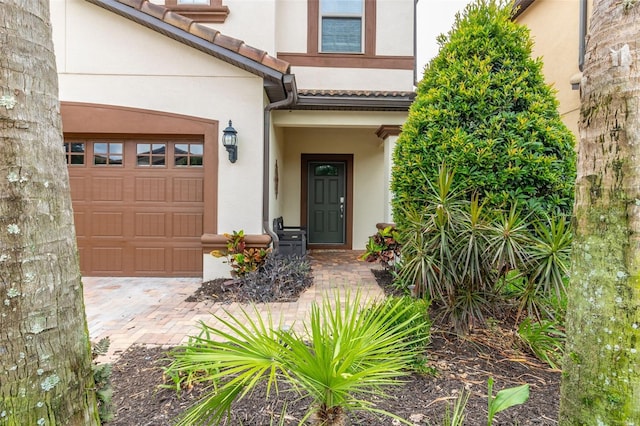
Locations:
(554, 26)
(353, 78)
(106, 59)
(368, 169)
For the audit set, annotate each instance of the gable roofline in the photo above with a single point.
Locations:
(205, 39)
(519, 6)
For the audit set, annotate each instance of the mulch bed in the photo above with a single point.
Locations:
(421, 398)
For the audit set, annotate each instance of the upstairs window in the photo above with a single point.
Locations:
(341, 26)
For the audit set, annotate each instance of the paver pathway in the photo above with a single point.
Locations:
(152, 311)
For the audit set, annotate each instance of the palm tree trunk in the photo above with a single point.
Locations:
(45, 361)
(601, 380)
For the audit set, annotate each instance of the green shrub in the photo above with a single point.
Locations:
(483, 108)
(242, 259)
(102, 380)
(383, 247)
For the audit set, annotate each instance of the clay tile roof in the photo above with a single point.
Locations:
(356, 100)
(192, 28)
(356, 93)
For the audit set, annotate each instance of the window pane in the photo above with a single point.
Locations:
(100, 148)
(77, 147)
(115, 148)
(77, 159)
(342, 35)
(181, 148)
(196, 161)
(143, 148)
(341, 7)
(195, 149)
(326, 170)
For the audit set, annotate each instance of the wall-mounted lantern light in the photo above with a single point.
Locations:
(230, 142)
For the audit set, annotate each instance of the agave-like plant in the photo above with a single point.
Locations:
(345, 353)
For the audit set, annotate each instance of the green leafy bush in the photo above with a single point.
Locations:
(383, 247)
(242, 259)
(484, 108)
(102, 380)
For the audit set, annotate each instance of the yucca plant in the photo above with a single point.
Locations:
(428, 239)
(344, 354)
(540, 284)
(550, 253)
(509, 241)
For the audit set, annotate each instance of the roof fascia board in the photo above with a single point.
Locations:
(519, 6)
(189, 39)
(363, 104)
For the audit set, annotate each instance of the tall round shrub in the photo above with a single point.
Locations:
(484, 109)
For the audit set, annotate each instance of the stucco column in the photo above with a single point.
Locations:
(389, 135)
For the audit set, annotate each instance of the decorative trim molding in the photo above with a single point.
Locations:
(215, 12)
(219, 241)
(345, 60)
(387, 130)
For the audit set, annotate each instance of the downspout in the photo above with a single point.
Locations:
(288, 81)
(583, 34)
(415, 43)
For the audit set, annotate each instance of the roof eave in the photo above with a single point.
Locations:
(315, 102)
(519, 6)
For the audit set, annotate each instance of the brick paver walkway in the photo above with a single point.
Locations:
(152, 311)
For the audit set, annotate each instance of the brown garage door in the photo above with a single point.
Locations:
(138, 206)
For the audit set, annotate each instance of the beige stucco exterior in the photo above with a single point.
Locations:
(554, 26)
(335, 132)
(106, 59)
(145, 74)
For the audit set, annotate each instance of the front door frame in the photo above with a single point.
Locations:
(304, 192)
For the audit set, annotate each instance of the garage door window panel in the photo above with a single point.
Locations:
(75, 153)
(151, 154)
(188, 155)
(108, 153)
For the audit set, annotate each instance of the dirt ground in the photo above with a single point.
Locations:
(421, 398)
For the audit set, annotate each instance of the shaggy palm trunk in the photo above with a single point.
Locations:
(601, 380)
(333, 416)
(45, 360)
